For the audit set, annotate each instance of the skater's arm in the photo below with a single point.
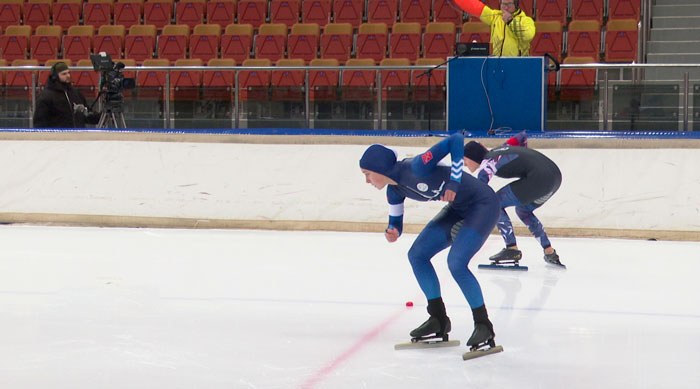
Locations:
(424, 164)
(489, 167)
(395, 227)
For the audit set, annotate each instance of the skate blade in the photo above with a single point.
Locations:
(504, 267)
(556, 265)
(480, 353)
(426, 344)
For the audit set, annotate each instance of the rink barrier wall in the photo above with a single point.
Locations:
(623, 185)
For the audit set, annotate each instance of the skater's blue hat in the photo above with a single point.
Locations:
(379, 159)
(475, 151)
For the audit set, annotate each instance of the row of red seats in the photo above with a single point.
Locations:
(238, 42)
(254, 84)
(66, 13)
(250, 81)
(585, 38)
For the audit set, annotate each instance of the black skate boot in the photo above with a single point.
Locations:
(506, 256)
(553, 258)
(437, 326)
(483, 334)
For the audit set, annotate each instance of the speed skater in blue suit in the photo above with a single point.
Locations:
(463, 224)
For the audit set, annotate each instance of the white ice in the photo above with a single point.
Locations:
(147, 308)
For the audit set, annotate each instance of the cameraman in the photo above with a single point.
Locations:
(59, 105)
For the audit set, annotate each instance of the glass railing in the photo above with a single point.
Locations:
(615, 97)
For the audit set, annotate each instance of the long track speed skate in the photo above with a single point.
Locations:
(482, 342)
(506, 259)
(430, 334)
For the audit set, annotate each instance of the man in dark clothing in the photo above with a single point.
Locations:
(59, 105)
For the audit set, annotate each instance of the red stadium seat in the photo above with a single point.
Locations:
(237, 42)
(372, 41)
(395, 82)
(288, 85)
(475, 32)
(67, 13)
(158, 12)
(204, 41)
(284, 11)
(348, 11)
(45, 43)
(186, 84)
(19, 81)
(336, 41)
(316, 11)
(77, 43)
(252, 12)
(405, 41)
(110, 39)
(439, 40)
(37, 12)
(587, 10)
(140, 43)
(271, 42)
(86, 80)
(437, 81)
(11, 13)
(253, 85)
(552, 10)
(304, 41)
(358, 84)
(621, 40)
(527, 6)
(443, 11)
(548, 39)
(218, 84)
(584, 39)
(323, 84)
(152, 82)
(382, 11)
(190, 12)
(221, 12)
(14, 44)
(98, 12)
(128, 12)
(415, 11)
(624, 9)
(173, 42)
(577, 84)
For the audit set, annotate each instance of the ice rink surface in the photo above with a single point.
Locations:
(145, 308)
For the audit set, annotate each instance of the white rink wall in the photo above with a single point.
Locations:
(618, 189)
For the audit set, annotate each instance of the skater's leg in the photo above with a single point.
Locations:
(505, 227)
(465, 245)
(428, 243)
(525, 213)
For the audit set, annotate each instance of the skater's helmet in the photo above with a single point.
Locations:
(475, 151)
(379, 159)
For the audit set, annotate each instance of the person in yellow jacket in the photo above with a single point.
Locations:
(511, 30)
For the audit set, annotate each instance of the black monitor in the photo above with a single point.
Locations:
(473, 49)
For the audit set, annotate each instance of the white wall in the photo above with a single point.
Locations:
(640, 189)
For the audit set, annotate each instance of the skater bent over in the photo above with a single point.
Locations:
(538, 179)
(464, 223)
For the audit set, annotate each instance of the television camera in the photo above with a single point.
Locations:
(112, 84)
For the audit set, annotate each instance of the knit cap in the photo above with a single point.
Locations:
(379, 159)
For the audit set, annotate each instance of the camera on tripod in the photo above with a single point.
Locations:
(113, 80)
(112, 83)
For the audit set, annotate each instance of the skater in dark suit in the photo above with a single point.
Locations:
(538, 179)
(464, 224)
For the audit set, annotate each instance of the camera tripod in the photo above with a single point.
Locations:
(111, 119)
(112, 111)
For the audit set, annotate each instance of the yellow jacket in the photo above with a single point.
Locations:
(509, 40)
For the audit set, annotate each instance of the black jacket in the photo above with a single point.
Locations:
(56, 107)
